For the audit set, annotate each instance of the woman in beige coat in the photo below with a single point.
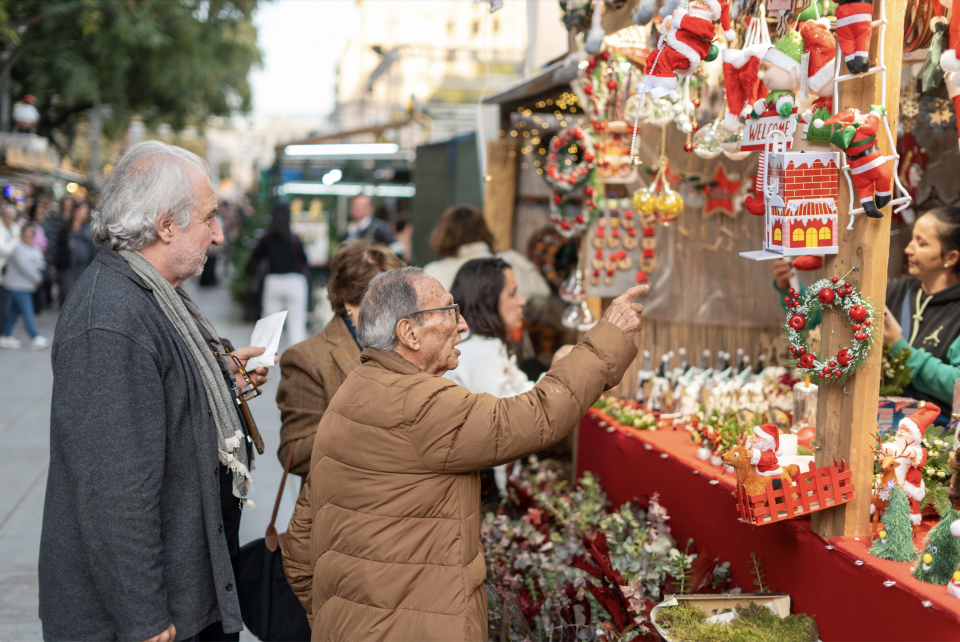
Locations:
(312, 371)
(385, 540)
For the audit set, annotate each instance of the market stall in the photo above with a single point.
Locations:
(699, 141)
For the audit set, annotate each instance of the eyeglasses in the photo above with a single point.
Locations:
(243, 396)
(455, 307)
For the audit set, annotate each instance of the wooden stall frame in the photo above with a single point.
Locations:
(847, 414)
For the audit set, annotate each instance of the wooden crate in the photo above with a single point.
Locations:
(714, 604)
(812, 491)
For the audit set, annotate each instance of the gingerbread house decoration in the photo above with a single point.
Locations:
(802, 214)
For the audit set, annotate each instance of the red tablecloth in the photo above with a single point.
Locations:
(849, 601)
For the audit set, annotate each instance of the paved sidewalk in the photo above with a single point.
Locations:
(24, 456)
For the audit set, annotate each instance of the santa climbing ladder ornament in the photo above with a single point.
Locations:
(834, 293)
(686, 40)
(855, 26)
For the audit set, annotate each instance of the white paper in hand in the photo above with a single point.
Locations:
(266, 334)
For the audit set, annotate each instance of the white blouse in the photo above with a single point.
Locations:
(485, 366)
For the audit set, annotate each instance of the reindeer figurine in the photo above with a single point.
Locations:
(753, 482)
(884, 484)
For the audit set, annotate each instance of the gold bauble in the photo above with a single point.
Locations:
(644, 201)
(669, 206)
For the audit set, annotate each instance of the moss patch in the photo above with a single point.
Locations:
(754, 623)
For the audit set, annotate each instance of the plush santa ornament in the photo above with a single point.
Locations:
(766, 449)
(950, 58)
(686, 40)
(821, 46)
(857, 138)
(742, 83)
(853, 34)
(909, 468)
(780, 72)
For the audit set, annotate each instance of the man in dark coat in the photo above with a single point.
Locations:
(138, 537)
(363, 225)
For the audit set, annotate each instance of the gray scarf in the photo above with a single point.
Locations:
(197, 332)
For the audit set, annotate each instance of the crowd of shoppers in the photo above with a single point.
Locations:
(385, 541)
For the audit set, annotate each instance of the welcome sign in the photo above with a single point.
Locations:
(757, 130)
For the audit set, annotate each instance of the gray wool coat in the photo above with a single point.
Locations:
(132, 536)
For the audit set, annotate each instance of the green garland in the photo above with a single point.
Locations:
(829, 293)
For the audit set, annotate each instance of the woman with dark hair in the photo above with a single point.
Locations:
(490, 302)
(311, 372)
(75, 248)
(923, 309)
(285, 285)
(461, 235)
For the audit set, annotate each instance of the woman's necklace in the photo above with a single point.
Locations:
(918, 315)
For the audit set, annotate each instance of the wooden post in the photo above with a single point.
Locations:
(501, 194)
(847, 415)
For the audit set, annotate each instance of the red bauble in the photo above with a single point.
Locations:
(857, 327)
(605, 55)
(696, 102)
(589, 158)
(565, 225)
(688, 147)
(695, 127)
(797, 322)
(557, 199)
(867, 323)
(841, 292)
(834, 280)
(844, 357)
(588, 190)
(826, 296)
(786, 299)
(806, 361)
(587, 89)
(802, 351)
(832, 364)
(791, 291)
(838, 372)
(858, 313)
(793, 349)
(611, 84)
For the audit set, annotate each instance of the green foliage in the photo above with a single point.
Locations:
(943, 550)
(898, 544)
(625, 413)
(937, 472)
(895, 373)
(758, 572)
(753, 623)
(804, 451)
(173, 61)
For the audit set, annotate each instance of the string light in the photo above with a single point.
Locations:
(537, 128)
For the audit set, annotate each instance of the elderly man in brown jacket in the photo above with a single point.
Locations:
(385, 540)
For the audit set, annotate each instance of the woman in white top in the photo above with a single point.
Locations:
(486, 291)
(462, 235)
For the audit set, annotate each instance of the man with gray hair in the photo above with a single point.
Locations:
(139, 539)
(385, 540)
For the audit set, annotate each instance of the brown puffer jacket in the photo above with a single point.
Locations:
(385, 540)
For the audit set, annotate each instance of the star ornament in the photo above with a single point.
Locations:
(719, 194)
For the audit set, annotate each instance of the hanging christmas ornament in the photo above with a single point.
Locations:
(686, 39)
(706, 142)
(719, 193)
(856, 309)
(570, 164)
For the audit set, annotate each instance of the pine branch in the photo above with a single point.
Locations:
(758, 571)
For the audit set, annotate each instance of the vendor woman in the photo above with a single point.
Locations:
(923, 309)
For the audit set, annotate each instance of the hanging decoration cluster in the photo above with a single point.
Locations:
(570, 163)
(601, 85)
(829, 293)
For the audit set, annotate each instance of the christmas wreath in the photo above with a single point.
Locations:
(573, 150)
(829, 293)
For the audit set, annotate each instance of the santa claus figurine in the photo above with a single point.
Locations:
(821, 46)
(766, 449)
(854, 30)
(857, 138)
(686, 40)
(780, 72)
(741, 82)
(912, 456)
